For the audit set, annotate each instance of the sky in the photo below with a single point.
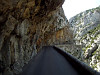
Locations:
(73, 7)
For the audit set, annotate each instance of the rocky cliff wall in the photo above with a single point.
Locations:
(26, 26)
(86, 27)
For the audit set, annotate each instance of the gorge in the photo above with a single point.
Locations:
(86, 27)
(27, 25)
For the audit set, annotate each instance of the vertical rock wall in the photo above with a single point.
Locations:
(26, 26)
(86, 26)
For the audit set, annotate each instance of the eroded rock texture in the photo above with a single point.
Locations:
(26, 26)
(86, 27)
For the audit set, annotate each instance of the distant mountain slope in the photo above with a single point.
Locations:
(86, 27)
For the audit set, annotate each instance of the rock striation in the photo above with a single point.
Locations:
(86, 28)
(26, 26)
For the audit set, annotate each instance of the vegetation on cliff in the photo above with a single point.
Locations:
(86, 27)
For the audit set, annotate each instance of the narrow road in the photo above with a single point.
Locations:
(50, 62)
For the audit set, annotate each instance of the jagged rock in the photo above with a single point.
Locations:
(8, 72)
(26, 26)
(86, 28)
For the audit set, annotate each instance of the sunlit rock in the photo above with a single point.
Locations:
(86, 28)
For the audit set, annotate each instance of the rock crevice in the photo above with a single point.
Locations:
(26, 26)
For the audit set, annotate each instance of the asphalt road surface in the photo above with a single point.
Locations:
(50, 62)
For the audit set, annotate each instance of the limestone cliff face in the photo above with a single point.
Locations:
(26, 26)
(86, 27)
